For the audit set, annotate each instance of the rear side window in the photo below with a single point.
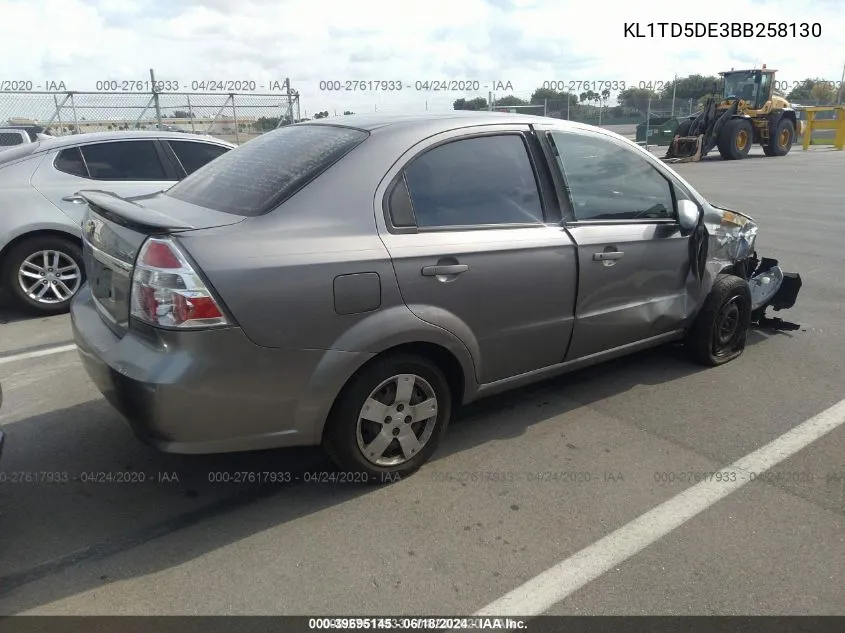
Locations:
(267, 170)
(9, 139)
(123, 160)
(477, 181)
(194, 155)
(70, 162)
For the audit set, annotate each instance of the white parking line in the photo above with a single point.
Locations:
(557, 583)
(36, 353)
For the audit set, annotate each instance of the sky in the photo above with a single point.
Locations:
(520, 43)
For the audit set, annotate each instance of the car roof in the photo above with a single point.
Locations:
(93, 137)
(428, 123)
(375, 121)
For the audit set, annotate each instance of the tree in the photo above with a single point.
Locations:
(479, 103)
(321, 115)
(692, 87)
(182, 114)
(543, 95)
(347, 112)
(510, 100)
(637, 98)
(816, 91)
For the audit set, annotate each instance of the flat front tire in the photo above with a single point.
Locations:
(720, 330)
(389, 419)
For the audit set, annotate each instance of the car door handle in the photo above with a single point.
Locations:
(608, 255)
(74, 199)
(452, 269)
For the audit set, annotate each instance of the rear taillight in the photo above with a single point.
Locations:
(167, 292)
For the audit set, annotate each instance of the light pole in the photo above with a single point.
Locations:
(674, 90)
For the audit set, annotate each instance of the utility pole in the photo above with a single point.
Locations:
(568, 99)
(674, 90)
(490, 100)
(647, 121)
(841, 87)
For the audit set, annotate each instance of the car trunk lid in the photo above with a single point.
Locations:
(115, 228)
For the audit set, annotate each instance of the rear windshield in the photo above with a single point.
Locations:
(257, 176)
(7, 139)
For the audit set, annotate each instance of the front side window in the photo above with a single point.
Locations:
(486, 180)
(607, 181)
(123, 160)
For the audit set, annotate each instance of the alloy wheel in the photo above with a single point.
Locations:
(397, 420)
(49, 276)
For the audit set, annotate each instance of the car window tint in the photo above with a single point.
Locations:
(477, 181)
(9, 139)
(70, 161)
(610, 182)
(194, 155)
(261, 174)
(123, 160)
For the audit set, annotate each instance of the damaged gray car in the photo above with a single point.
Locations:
(349, 282)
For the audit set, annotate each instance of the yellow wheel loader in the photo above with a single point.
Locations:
(748, 112)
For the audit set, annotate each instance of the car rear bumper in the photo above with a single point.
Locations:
(208, 391)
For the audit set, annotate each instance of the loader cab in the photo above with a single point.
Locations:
(752, 86)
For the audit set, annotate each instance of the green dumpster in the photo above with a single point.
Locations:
(661, 130)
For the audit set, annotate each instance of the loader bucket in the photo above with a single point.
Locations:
(684, 149)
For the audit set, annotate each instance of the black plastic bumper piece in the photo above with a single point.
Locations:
(787, 294)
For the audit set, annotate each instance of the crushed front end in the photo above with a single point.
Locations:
(731, 249)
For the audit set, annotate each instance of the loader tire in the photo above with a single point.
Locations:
(781, 137)
(719, 332)
(735, 139)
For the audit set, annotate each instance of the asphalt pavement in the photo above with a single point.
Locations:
(591, 479)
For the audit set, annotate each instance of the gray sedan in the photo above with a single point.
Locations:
(40, 238)
(348, 284)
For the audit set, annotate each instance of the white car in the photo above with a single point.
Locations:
(41, 266)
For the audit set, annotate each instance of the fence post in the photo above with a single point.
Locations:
(191, 114)
(290, 105)
(73, 107)
(235, 119)
(58, 112)
(647, 122)
(568, 96)
(155, 97)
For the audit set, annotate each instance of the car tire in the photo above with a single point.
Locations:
(348, 433)
(25, 260)
(735, 139)
(781, 138)
(720, 330)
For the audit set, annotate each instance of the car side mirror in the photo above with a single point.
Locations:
(687, 215)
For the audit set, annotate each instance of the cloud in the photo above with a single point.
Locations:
(524, 42)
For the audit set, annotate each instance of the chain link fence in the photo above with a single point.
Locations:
(234, 117)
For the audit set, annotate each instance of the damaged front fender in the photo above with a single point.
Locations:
(732, 248)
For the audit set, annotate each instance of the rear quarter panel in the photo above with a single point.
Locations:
(22, 209)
